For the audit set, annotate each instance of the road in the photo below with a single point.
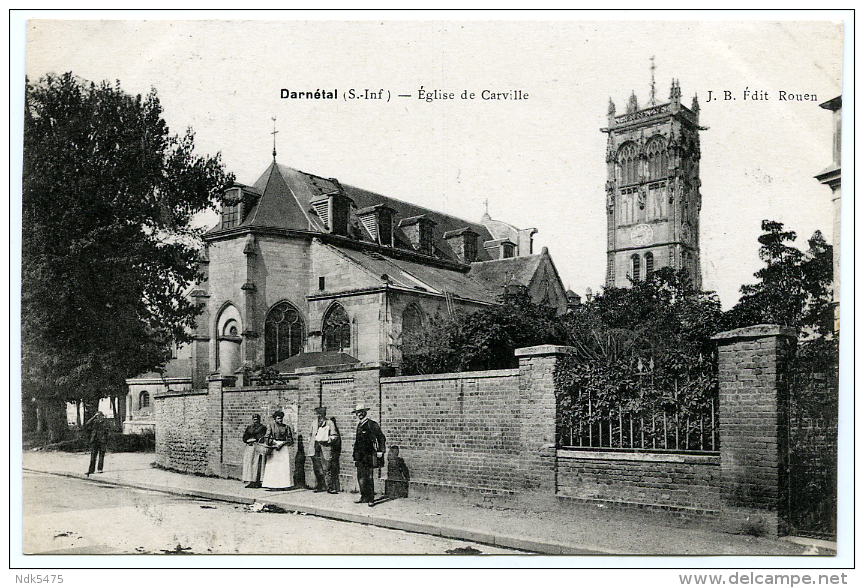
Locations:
(71, 515)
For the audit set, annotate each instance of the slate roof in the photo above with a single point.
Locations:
(422, 278)
(314, 359)
(287, 194)
(504, 272)
(286, 203)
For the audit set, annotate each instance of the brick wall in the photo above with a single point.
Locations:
(754, 397)
(677, 481)
(494, 432)
(458, 431)
(239, 404)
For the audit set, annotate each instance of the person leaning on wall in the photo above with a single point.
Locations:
(324, 448)
(255, 452)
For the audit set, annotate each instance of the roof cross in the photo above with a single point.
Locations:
(274, 138)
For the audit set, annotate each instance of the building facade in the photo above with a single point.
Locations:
(302, 270)
(830, 176)
(652, 189)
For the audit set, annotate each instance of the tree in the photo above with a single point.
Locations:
(793, 288)
(483, 340)
(640, 350)
(107, 246)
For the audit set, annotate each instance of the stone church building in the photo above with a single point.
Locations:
(303, 270)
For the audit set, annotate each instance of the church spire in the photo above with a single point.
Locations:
(653, 91)
(274, 139)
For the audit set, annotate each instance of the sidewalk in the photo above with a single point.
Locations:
(563, 529)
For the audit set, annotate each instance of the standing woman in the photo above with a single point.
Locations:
(278, 468)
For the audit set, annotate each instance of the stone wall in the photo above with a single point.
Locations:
(182, 419)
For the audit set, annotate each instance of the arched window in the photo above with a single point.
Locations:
(657, 163)
(637, 267)
(412, 321)
(649, 264)
(143, 400)
(337, 329)
(283, 333)
(628, 164)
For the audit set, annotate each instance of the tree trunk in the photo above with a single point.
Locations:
(28, 414)
(52, 413)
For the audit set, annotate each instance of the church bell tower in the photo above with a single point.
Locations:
(652, 190)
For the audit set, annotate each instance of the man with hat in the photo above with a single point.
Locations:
(324, 448)
(368, 452)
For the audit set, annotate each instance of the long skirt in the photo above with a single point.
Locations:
(253, 463)
(278, 469)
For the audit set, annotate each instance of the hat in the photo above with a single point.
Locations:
(322, 410)
(361, 407)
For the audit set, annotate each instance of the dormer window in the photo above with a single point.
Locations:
(378, 222)
(501, 248)
(236, 203)
(463, 242)
(231, 205)
(333, 210)
(419, 229)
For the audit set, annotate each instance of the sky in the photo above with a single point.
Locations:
(539, 161)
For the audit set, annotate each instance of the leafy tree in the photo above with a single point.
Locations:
(642, 349)
(482, 340)
(107, 246)
(793, 288)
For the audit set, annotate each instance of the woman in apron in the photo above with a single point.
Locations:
(278, 470)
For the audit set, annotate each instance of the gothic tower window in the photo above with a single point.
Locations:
(283, 333)
(337, 329)
(657, 162)
(649, 264)
(637, 267)
(628, 164)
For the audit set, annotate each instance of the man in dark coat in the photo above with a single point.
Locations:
(368, 452)
(98, 434)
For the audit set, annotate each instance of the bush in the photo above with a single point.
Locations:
(117, 442)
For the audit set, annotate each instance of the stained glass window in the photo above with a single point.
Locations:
(283, 333)
(337, 329)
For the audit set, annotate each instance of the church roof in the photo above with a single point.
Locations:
(423, 278)
(314, 359)
(504, 272)
(286, 203)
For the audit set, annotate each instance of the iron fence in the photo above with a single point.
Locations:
(661, 425)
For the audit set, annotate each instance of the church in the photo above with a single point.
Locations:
(652, 188)
(303, 271)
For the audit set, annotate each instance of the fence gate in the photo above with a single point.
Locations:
(812, 508)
